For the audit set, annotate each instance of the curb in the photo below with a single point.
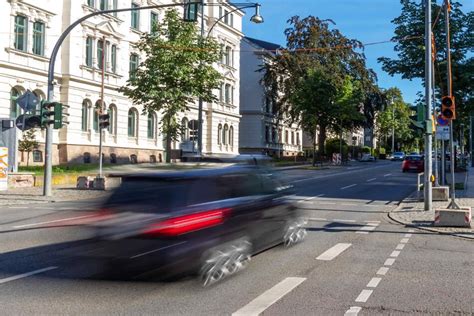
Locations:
(430, 229)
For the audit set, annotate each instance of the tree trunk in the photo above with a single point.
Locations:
(314, 150)
(27, 158)
(322, 139)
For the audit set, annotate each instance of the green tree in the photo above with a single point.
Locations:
(321, 78)
(28, 143)
(177, 69)
(409, 38)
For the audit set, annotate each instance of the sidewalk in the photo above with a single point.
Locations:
(411, 212)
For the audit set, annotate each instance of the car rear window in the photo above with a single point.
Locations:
(414, 158)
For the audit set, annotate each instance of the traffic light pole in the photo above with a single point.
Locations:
(453, 203)
(102, 108)
(428, 135)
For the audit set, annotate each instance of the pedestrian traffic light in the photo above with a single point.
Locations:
(448, 108)
(104, 121)
(191, 8)
(25, 122)
(46, 112)
(59, 115)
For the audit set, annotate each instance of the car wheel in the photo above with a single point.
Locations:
(295, 232)
(225, 260)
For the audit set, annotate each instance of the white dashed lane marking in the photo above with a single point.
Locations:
(333, 252)
(353, 311)
(364, 296)
(374, 282)
(395, 253)
(400, 246)
(24, 275)
(382, 271)
(404, 240)
(349, 186)
(373, 179)
(269, 297)
(387, 175)
(389, 262)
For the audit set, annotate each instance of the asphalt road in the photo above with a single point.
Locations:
(354, 260)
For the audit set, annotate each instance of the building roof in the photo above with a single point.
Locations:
(263, 44)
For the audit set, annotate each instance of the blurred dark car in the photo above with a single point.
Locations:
(413, 163)
(208, 222)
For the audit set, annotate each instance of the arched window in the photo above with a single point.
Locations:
(15, 109)
(219, 134)
(86, 104)
(132, 122)
(133, 158)
(184, 129)
(225, 134)
(113, 119)
(87, 157)
(113, 158)
(231, 136)
(151, 125)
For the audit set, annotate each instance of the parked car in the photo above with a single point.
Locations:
(413, 163)
(398, 155)
(367, 158)
(205, 222)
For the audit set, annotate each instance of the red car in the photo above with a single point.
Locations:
(413, 163)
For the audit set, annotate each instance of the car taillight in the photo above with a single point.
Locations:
(187, 223)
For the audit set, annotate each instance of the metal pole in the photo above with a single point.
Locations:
(428, 135)
(443, 162)
(453, 203)
(200, 105)
(470, 141)
(101, 107)
(393, 128)
(433, 111)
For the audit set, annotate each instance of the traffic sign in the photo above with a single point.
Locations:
(193, 125)
(442, 121)
(442, 132)
(28, 101)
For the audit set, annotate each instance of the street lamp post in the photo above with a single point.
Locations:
(47, 189)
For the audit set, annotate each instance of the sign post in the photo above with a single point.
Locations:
(3, 168)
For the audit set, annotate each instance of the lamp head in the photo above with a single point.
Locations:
(257, 18)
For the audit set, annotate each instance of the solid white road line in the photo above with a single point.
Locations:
(24, 275)
(364, 296)
(408, 235)
(320, 195)
(389, 262)
(387, 175)
(383, 271)
(404, 240)
(395, 253)
(15, 207)
(374, 282)
(55, 221)
(349, 186)
(333, 252)
(353, 311)
(269, 297)
(373, 179)
(317, 219)
(400, 246)
(345, 220)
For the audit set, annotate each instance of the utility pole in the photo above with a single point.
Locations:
(393, 127)
(447, 9)
(428, 124)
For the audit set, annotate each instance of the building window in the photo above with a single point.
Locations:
(228, 92)
(231, 136)
(231, 20)
(114, 6)
(153, 21)
(91, 3)
(21, 32)
(133, 65)
(104, 5)
(133, 159)
(267, 134)
(85, 115)
(15, 109)
(113, 58)
(292, 138)
(298, 139)
(221, 93)
(286, 137)
(226, 16)
(184, 129)
(95, 122)
(132, 123)
(135, 17)
(100, 54)
(113, 158)
(228, 56)
(37, 156)
(87, 157)
(225, 134)
(219, 134)
(89, 51)
(38, 38)
(151, 126)
(113, 118)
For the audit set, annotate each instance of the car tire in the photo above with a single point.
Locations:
(295, 232)
(225, 260)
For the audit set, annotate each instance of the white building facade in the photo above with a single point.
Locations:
(260, 129)
(30, 28)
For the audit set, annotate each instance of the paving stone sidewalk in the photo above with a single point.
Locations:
(33, 195)
(411, 211)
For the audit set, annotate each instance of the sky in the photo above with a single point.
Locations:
(365, 20)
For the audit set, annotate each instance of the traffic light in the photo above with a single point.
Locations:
(46, 111)
(25, 122)
(104, 121)
(448, 108)
(59, 115)
(191, 8)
